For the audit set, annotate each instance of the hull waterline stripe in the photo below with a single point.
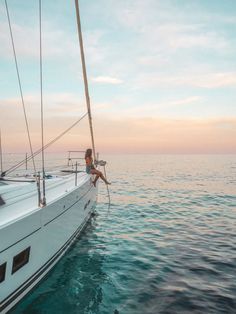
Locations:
(43, 268)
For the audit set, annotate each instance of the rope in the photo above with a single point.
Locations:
(41, 100)
(20, 87)
(13, 168)
(108, 191)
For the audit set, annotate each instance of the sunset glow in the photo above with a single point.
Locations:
(161, 74)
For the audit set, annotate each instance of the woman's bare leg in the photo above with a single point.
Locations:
(95, 180)
(104, 179)
(99, 174)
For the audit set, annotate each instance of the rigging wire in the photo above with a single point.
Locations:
(20, 88)
(37, 152)
(43, 200)
(43, 147)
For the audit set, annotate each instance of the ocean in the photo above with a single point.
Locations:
(167, 244)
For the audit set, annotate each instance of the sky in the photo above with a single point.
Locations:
(162, 75)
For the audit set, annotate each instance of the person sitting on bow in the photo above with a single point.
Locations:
(90, 168)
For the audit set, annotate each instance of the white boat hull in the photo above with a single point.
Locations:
(48, 232)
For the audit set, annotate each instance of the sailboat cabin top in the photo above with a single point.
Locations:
(19, 195)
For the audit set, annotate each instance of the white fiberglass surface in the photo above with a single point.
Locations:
(22, 198)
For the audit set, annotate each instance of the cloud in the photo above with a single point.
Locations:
(184, 101)
(169, 39)
(166, 28)
(107, 80)
(205, 80)
(157, 50)
(26, 40)
(215, 80)
(153, 60)
(56, 43)
(55, 104)
(154, 109)
(127, 132)
(208, 40)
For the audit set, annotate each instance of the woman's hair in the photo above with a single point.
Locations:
(88, 153)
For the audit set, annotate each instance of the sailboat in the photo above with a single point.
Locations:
(41, 214)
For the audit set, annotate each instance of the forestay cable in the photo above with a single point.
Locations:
(20, 87)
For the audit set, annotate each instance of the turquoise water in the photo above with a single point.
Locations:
(167, 244)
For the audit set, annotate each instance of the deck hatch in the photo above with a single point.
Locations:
(20, 260)
(3, 272)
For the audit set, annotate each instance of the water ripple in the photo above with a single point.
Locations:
(167, 244)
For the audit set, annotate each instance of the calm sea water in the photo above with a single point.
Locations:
(167, 244)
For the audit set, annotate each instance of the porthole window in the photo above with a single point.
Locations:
(20, 260)
(3, 272)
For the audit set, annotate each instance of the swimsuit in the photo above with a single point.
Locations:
(88, 169)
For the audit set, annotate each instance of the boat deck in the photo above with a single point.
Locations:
(20, 193)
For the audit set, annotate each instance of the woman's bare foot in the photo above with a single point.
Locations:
(108, 183)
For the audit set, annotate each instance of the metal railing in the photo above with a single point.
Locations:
(70, 158)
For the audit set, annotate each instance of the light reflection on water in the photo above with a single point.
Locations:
(167, 245)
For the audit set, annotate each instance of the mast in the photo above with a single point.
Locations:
(85, 75)
(43, 199)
